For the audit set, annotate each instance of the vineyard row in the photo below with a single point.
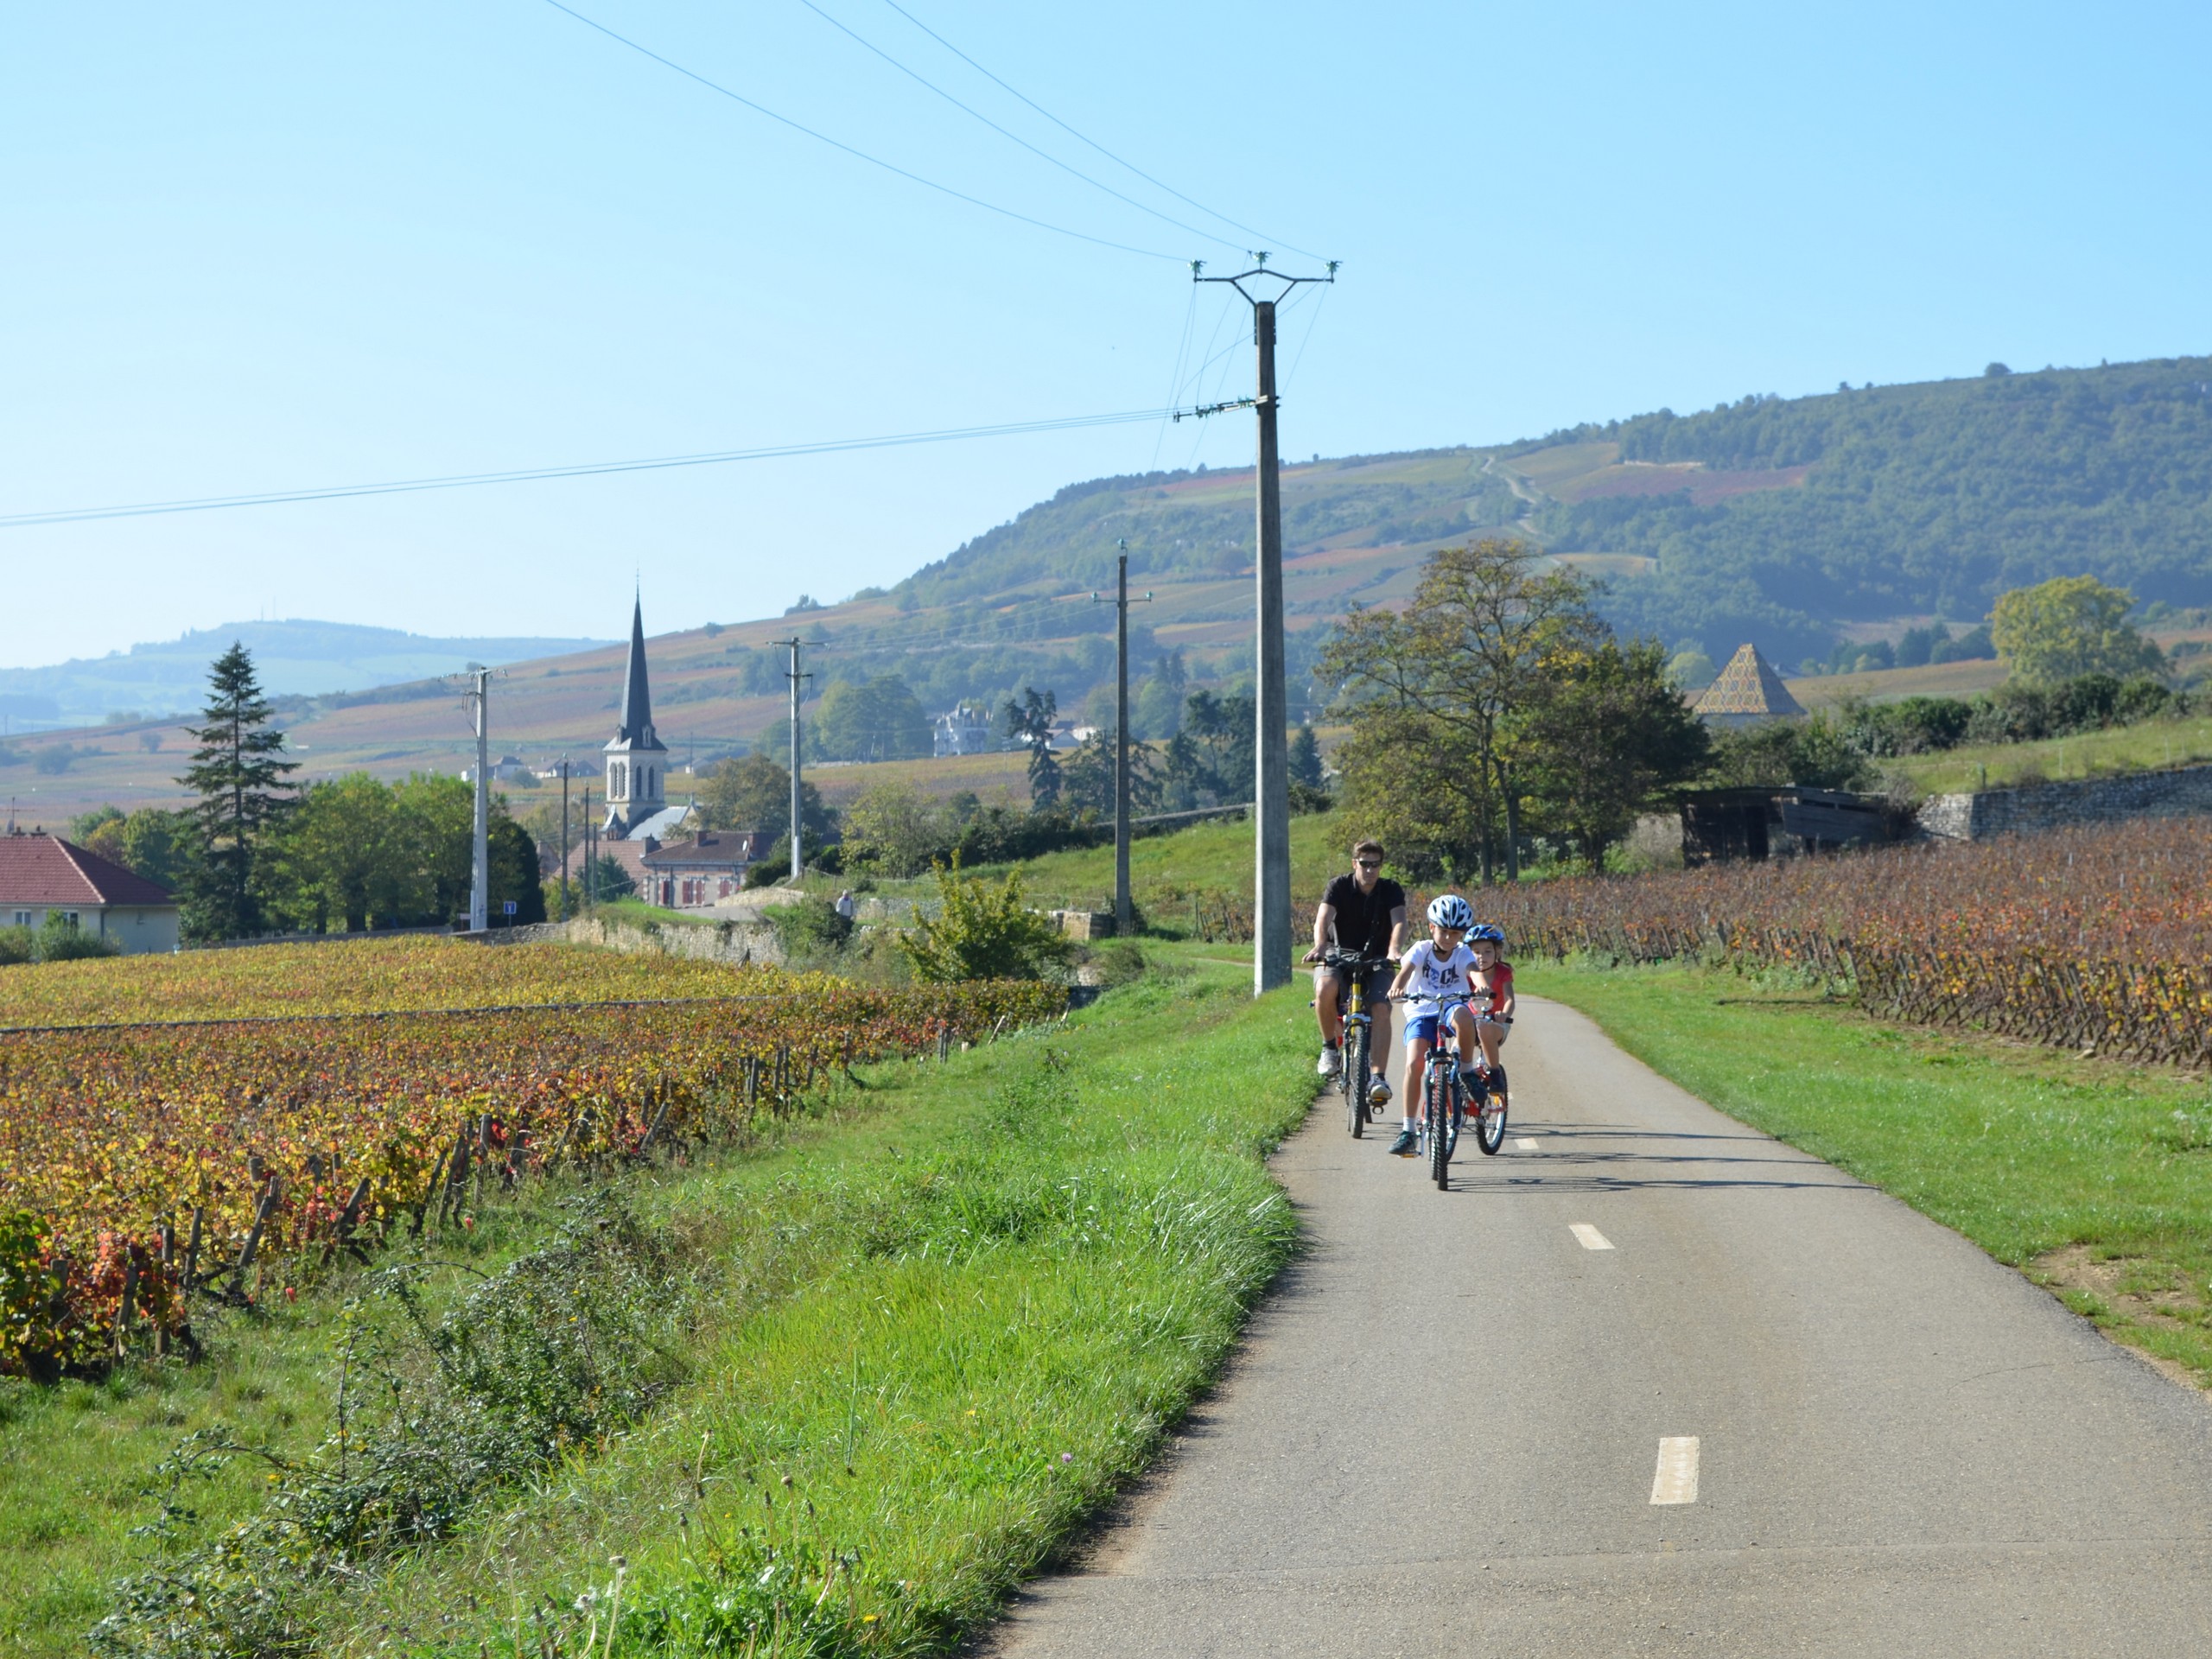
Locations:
(141, 1167)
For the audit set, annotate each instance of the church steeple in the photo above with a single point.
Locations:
(634, 766)
(636, 696)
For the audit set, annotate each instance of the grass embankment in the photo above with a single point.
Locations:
(934, 1334)
(2150, 745)
(1212, 856)
(2091, 1177)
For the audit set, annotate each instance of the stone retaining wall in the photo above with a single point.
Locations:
(731, 942)
(2049, 806)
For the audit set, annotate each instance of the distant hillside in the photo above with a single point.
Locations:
(1778, 518)
(294, 657)
(1789, 522)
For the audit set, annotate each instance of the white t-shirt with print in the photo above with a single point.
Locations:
(1435, 977)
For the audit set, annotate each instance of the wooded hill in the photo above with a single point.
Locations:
(1776, 519)
(1785, 521)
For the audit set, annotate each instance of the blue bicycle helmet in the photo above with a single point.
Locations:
(1489, 932)
(1450, 910)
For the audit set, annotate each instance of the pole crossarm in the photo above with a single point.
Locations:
(1204, 409)
(1260, 270)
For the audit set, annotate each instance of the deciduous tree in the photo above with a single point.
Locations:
(1465, 656)
(2068, 626)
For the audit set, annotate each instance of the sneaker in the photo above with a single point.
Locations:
(1405, 1145)
(1331, 1063)
(1472, 1080)
(1378, 1091)
(1497, 1079)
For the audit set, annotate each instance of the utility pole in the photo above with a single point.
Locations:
(1271, 779)
(591, 848)
(798, 857)
(479, 888)
(564, 838)
(1122, 915)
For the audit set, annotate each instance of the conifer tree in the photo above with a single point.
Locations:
(1029, 721)
(240, 781)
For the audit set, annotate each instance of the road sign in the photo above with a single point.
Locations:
(509, 907)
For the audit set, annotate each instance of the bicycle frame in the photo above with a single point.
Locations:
(1359, 1032)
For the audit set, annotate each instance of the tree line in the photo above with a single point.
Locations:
(258, 853)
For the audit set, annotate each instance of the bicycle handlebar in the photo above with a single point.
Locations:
(1353, 959)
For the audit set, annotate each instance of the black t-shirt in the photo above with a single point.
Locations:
(1363, 919)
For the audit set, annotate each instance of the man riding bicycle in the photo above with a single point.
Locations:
(1361, 914)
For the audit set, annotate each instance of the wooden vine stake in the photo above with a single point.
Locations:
(129, 1301)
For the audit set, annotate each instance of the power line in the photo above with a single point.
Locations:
(835, 143)
(1013, 136)
(1093, 143)
(466, 481)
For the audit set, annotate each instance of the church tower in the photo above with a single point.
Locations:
(637, 760)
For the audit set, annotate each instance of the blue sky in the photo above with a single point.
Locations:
(259, 246)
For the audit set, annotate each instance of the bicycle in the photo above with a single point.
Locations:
(1489, 1110)
(1358, 1042)
(1436, 1132)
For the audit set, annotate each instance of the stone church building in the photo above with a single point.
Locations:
(673, 865)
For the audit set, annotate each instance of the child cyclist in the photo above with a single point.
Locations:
(1492, 982)
(1439, 967)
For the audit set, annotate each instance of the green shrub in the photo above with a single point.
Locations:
(62, 940)
(810, 927)
(16, 946)
(982, 931)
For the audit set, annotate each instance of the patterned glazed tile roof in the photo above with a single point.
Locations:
(1749, 685)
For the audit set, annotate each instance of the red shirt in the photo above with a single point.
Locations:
(1492, 987)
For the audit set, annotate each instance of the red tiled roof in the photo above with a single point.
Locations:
(710, 847)
(42, 870)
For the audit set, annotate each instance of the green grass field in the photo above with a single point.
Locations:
(2089, 1176)
(1164, 870)
(936, 1329)
(2001, 766)
(1882, 685)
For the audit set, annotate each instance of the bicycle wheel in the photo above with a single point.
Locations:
(1438, 1116)
(1489, 1123)
(1353, 1079)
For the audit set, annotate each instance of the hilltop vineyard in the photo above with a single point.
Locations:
(141, 1165)
(2095, 938)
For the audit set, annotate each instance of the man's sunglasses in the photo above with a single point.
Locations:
(1370, 863)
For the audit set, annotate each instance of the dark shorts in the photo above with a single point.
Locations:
(1337, 982)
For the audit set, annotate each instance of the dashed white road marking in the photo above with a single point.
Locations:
(1674, 1481)
(1525, 1145)
(1589, 1237)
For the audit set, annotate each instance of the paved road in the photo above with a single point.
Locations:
(1445, 1434)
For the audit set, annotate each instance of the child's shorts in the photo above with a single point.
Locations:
(1421, 1028)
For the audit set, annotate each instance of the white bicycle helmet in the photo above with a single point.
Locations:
(1450, 910)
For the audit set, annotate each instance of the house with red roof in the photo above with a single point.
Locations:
(40, 875)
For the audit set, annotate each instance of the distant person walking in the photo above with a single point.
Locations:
(845, 905)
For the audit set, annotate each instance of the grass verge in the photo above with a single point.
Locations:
(932, 1333)
(2091, 1177)
(2146, 747)
(1164, 870)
